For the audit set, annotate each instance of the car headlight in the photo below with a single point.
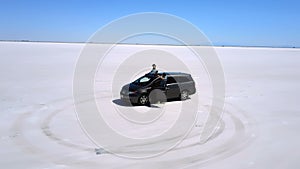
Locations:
(132, 92)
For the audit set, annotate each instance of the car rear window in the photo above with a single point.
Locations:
(181, 79)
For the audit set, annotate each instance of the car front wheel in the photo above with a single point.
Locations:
(144, 100)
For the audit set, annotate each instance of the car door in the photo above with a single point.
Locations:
(157, 92)
(172, 88)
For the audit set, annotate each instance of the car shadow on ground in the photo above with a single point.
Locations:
(120, 102)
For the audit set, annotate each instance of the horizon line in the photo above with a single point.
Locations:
(258, 46)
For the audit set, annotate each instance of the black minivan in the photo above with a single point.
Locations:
(176, 85)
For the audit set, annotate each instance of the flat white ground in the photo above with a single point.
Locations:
(39, 129)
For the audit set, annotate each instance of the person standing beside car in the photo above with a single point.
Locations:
(160, 94)
(163, 81)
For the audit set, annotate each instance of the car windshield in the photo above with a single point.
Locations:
(143, 81)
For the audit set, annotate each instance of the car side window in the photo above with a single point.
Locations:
(156, 83)
(182, 79)
(170, 80)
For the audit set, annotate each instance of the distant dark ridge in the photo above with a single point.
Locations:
(37, 41)
(250, 46)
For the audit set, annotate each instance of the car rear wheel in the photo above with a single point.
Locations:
(143, 100)
(184, 95)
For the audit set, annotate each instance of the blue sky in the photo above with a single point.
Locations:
(230, 22)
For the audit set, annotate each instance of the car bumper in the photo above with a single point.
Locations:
(129, 98)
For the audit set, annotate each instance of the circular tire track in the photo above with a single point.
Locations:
(240, 139)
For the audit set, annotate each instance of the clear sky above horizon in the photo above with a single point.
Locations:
(231, 22)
